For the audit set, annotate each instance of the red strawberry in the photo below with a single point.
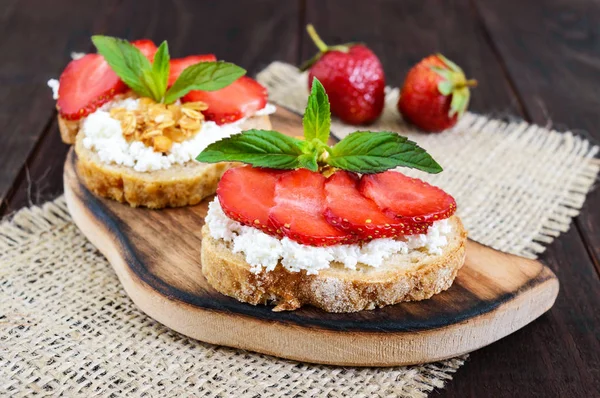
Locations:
(242, 98)
(299, 207)
(247, 194)
(347, 209)
(176, 66)
(353, 79)
(86, 84)
(435, 94)
(407, 199)
(147, 47)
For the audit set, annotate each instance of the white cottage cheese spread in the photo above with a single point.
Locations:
(53, 84)
(267, 110)
(76, 55)
(263, 251)
(104, 135)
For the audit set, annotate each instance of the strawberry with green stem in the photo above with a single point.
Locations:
(352, 76)
(435, 94)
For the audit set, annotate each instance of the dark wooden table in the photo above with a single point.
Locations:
(539, 61)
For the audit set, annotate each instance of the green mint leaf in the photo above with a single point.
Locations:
(309, 158)
(317, 116)
(261, 148)
(205, 76)
(367, 152)
(147, 78)
(160, 68)
(129, 64)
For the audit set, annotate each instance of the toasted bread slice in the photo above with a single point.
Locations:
(179, 185)
(409, 277)
(68, 129)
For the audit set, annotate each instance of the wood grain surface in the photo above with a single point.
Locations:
(156, 255)
(534, 60)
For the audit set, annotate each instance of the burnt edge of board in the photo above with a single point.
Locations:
(328, 321)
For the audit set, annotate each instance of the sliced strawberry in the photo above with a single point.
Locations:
(407, 199)
(176, 66)
(246, 195)
(147, 47)
(86, 84)
(298, 210)
(347, 209)
(242, 98)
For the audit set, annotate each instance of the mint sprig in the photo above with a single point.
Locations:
(150, 79)
(361, 152)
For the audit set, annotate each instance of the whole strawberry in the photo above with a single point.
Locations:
(353, 79)
(435, 94)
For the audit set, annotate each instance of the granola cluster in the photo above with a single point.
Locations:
(159, 125)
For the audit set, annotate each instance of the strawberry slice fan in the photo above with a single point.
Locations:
(342, 209)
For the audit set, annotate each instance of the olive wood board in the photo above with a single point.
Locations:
(156, 255)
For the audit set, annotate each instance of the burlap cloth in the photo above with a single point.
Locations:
(67, 327)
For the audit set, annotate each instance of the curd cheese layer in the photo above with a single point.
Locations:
(103, 135)
(264, 252)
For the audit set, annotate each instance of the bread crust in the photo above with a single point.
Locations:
(336, 289)
(179, 185)
(68, 129)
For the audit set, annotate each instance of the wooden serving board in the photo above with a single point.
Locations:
(156, 255)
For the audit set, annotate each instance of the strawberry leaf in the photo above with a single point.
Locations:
(445, 87)
(317, 116)
(205, 76)
(446, 74)
(261, 148)
(454, 67)
(366, 152)
(460, 101)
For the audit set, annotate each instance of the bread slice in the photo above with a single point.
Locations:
(410, 277)
(179, 185)
(68, 129)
